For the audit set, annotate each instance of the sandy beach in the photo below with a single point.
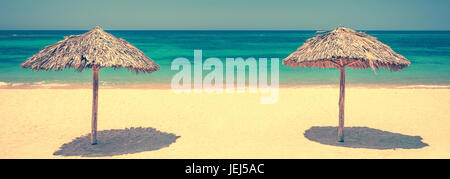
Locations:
(37, 122)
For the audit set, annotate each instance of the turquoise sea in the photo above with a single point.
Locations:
(428, 51)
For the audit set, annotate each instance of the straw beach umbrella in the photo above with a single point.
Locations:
(95, 49)
(345, 48)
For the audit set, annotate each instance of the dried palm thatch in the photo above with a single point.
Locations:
(94, 49)
(341, 48)
(344, 47)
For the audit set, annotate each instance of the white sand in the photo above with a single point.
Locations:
(36, 122)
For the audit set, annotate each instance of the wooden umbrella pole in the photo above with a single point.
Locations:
(94, 105)
(341, 106)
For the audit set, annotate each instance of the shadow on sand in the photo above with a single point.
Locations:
(364, 137)
(118, 142)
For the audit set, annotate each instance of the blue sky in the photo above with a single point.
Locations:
(225, 14)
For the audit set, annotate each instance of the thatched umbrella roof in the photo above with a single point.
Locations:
(355, 49)
(95, 48)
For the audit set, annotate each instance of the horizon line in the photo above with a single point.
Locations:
(214, 30)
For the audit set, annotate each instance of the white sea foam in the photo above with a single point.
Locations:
(3, 83)
(50, 83)
(54, 84)
(427, 86)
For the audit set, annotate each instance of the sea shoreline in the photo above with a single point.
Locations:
(168, 86)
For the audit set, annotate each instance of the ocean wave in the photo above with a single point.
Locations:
(34, 84)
